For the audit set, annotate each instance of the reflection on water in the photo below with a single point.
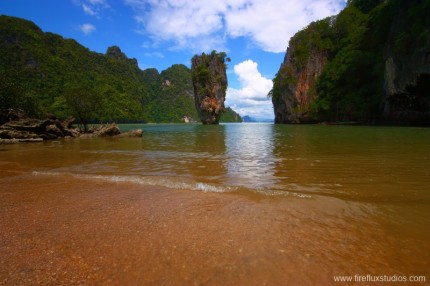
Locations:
(218, 205)
(249, 158)
(353, 163)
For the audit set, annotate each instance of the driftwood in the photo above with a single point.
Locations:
(16, 127)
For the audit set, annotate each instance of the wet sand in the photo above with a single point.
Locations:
(60, 230)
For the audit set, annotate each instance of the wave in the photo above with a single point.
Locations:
(176, 183)
(172, 183)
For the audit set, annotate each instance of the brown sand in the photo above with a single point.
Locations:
(59, 230)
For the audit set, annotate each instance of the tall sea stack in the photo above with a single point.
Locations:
(210, 85)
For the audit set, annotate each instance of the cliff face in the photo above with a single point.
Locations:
(407, 64)
(210, 84)
(369, 64)
(296, 85)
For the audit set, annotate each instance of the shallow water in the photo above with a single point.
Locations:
(234, 204)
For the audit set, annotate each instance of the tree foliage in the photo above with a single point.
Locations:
(229, 115)
(43, 73)
(82, 104)
(356, 42)
(202, 74)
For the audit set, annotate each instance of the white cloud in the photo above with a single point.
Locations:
(251, 98)
(268, 24)
(154, 55)
(88, 10)
(93, 7)
(87, 28)
(189, 24)
(98, 2)
(271, 23)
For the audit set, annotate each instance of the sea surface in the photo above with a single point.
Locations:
(233, 204)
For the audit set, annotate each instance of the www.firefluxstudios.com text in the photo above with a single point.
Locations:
(379, 278)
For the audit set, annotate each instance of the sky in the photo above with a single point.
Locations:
(160, 33)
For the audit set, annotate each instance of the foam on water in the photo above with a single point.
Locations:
(206, 188)
(171, 183)
(176, 183)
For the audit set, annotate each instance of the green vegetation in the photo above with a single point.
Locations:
(202, 75)
(49, 70)
(171, 95)
(45, 74)
(82, 103)
(229, 115)
(351, 84)
(209, 80)
(355, 45)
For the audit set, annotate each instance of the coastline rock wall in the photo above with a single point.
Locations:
(297, 88)
(210, 84)
(369, 64)
(407, 65)
(403, 68)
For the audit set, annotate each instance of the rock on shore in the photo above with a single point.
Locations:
(16, 127)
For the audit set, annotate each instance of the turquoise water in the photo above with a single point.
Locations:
(386, 164)
(350, 162)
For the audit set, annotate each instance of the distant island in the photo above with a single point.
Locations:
(44, 74)
(369, 64)
(248, 118)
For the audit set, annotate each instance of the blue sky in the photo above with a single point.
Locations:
(160, 33)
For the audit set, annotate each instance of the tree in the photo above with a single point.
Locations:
(83, 103)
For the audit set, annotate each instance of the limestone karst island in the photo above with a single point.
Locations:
(215, 142)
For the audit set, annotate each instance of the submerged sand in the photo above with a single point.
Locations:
(62, 230)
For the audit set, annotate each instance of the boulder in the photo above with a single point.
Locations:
(106, 130)
(18, 126)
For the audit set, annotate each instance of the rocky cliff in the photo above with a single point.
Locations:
(407, 64)
(369, 64)
(210, 84)
(296, 86)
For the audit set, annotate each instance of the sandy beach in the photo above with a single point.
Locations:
(59, 230)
